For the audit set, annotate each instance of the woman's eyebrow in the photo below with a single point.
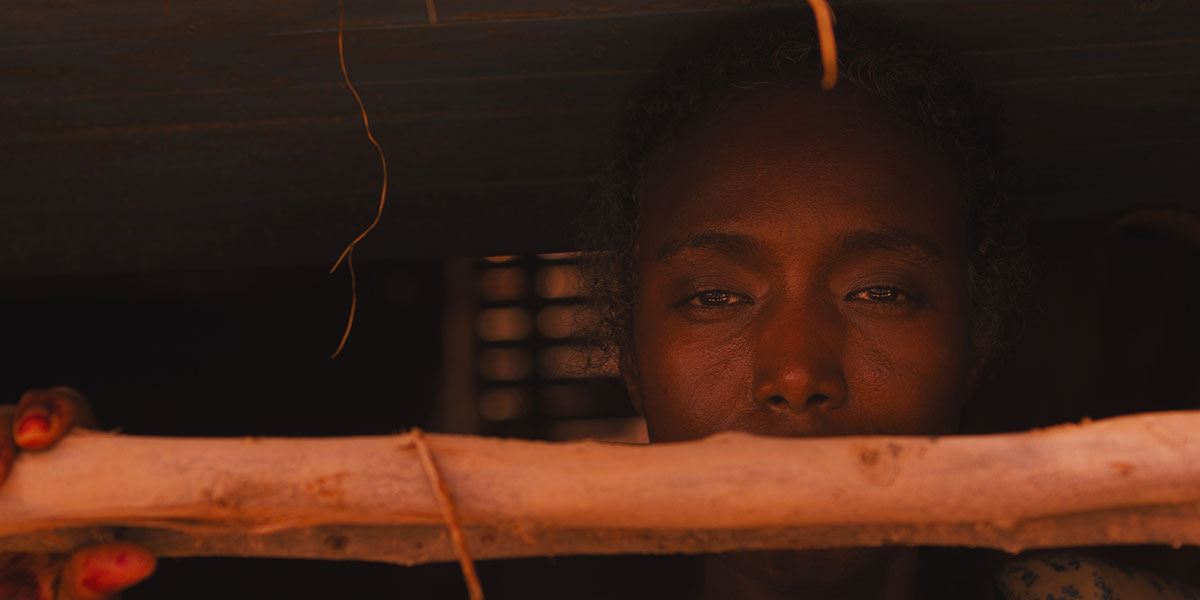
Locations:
(734, 245)
(918, 247)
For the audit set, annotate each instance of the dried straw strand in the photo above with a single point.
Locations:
(348, 253)
(825, 21)
(431, 12)
(449, 514)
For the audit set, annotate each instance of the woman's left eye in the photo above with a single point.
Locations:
(881, 294)
(714, 299)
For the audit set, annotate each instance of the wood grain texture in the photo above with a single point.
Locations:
(1120, 481)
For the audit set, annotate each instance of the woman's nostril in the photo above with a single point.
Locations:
(779, 401)
(816, 399)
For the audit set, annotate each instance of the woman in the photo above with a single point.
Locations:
(805, 263)
(777, 259)
(787, 261)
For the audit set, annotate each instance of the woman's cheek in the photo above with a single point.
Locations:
(692, 383)
(907, 376)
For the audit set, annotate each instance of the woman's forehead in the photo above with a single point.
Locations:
(781, 151)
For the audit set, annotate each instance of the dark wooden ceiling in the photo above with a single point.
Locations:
(142, 136)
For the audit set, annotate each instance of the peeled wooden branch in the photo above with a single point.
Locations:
(1128, 480)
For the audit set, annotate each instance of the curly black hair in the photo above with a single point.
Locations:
(920, 84)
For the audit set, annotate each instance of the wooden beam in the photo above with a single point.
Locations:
(1129, 480)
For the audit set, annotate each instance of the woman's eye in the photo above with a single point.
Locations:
(714, 299)
(880, 293)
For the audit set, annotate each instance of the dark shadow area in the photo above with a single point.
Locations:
(233, 353)
(1108, 329)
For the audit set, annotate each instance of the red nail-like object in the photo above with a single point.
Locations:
(110, 574)
(100, 583)
(105, 581)
(33, 425)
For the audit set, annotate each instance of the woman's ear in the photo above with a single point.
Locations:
(627, 363)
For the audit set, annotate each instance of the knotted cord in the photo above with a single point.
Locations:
(449, 514)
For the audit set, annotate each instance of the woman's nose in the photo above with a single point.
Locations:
(798, 363)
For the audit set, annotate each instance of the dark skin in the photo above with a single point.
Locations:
(802, 272)
(39, 420)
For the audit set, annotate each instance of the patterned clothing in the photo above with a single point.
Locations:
(1078, 577)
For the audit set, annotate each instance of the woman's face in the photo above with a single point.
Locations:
(802, 272)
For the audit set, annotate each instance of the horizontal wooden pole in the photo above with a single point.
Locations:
(1128, 480)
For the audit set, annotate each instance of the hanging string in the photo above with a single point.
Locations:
(821, 11)
(449, 515)
(348, 253)
(825, 21)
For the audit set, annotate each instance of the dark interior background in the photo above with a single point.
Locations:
(177, 180)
